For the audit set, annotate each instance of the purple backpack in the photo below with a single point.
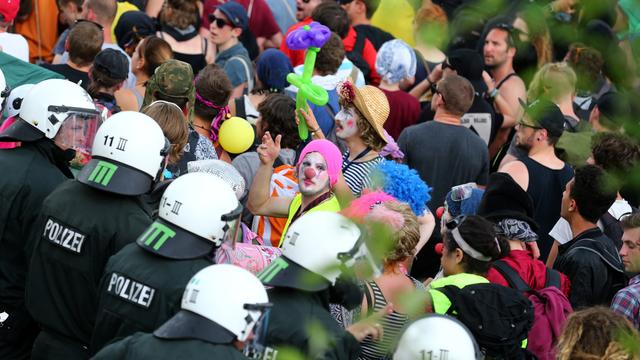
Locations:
(551, 310)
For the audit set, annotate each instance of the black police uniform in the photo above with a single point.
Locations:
(79, 228)
(293, 313)
(29, 174)
(149, 346)
(142, 286)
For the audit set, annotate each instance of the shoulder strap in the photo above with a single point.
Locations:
(512, 277)
(553, 279)
(370, 301)
(241, 112)
(504, 80)
(246, 70)
(450, 292)
(205, 46)
(358, 47)
(354, 73)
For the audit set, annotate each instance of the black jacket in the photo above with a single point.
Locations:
(592, 263)
(139, 292)
(296, 320)
(147, 346)
(77, 231)
(29, 174)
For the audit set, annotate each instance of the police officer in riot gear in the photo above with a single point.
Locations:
(85, 221)
(57, 119)
(143, 283)
(224, 309)
(317, 249)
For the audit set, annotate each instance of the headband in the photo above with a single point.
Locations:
(467, 248)
(222, 113)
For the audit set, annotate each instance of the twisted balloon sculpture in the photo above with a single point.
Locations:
(311, 38)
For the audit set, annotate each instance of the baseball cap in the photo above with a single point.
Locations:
(9, 9)
(174, 78)
(112, 62)
(545, 115)
(132, 25)
(235, 13)
(468, 64)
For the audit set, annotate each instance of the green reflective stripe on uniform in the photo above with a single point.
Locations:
(103, 173)
(157, 231)
(331, 204)
(272, 270)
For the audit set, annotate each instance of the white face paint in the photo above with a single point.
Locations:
(346, 123)
(313, 177)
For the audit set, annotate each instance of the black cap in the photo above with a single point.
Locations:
(503, 198)
(283, 272)
(132, 25)
(613, 106)
(235, 13)
(468, 64)
(112, 62)
(546, 115)
(21, 130)
(173, 242)
(189, 325)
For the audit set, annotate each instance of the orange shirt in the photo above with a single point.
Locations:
(42, 33)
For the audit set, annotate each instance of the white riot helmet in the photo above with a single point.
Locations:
(221, 303)
(196, 210)
(59, 110)
(437, 337)
(14, 101)
(223, 170)
(315, 248)
(128, 155)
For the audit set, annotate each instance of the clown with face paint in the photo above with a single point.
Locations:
(317, 170)
(359, 124)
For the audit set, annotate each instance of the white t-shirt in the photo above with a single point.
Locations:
(561, 231)
(15, 45)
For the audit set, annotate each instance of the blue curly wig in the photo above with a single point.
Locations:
(403, 183)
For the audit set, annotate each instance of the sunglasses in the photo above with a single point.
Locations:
(220, 22)
(341, 2)
(89, 21)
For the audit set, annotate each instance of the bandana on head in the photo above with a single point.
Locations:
(222, 114)
(517, 230)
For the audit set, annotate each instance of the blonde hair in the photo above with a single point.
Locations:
(596, 333)
(173, 124)
(405, 239)
(552, 81)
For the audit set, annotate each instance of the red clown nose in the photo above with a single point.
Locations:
(438, 248)
(309, 173)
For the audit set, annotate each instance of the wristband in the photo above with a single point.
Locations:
(313, 131)
(493, 93)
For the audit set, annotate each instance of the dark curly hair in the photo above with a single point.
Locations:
(591, 192)
(480, 234)
(615, 152)
(278, 115)
(333, 16)
(587, 63)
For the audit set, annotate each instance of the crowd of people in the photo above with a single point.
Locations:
(424, 179)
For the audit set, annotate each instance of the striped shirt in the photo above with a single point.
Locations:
(357, 174)
(392, 325)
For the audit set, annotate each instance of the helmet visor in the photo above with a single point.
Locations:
(77, 132)
(256, 330)
(233, 225)
(361, 259)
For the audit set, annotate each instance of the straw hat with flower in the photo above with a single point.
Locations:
(370, 102)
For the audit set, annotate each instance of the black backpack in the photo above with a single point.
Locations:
(498, 317)
(355, 56)
(612, 227)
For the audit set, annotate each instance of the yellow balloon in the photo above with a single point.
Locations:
(236, 135)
